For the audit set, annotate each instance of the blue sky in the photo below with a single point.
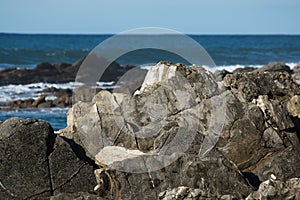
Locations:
(114, 16)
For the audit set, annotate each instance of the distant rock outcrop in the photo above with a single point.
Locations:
(56, 73)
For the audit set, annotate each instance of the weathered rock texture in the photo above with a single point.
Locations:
(234, 130)
(35, 164)
(181, 134)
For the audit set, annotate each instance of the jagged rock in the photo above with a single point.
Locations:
(283, 164)
(216, 131)
(272, 139)
(214, 174)
(275, 112)
(293, 106)
(167, 105)
(151, 110)
(277, 190)
(275, 67)
(274, 84)
(24, 170)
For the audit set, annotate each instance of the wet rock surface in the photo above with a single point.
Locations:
(182, 134)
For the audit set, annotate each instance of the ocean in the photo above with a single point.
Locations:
(27, 50)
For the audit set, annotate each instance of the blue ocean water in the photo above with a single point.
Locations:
(228, 51)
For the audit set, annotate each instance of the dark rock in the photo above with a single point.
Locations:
(244, 70)
(35, 164)
(20, 104)
(49, 90)
(24, 171)
(275, 67)
(63, 99)
(70, 172)
(45, 66)
(47, 104)
(38, 101)
(57, 73)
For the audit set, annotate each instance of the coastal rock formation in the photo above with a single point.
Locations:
(250, 112)
(181, 134)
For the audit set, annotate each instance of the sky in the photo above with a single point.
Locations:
(186, 16)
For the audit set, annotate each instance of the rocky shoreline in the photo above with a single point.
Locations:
(242, 131)
(52, 73)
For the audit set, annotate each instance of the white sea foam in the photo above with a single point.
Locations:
(16, 92)
(229, 68)
(22, 92)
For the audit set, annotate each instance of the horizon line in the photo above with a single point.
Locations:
(192, 34)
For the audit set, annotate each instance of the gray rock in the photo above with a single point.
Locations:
(212, 175)
(174, 106)
(216, 132)
(24, 170)
(277, 190)
(220, 74)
